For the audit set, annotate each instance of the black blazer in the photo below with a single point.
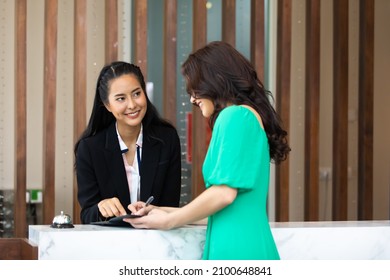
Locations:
(101, 172)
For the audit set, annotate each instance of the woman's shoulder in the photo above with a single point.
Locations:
(233, 112)
(238, 117)
(239, 108)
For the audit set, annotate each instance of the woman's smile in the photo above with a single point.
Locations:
(133, 115)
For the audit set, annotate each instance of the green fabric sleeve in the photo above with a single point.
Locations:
(231, 158)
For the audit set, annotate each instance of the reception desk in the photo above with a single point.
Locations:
(351, 240)
(100, 242)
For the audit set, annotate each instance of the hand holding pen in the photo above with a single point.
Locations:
(148, 201)
(139, 208)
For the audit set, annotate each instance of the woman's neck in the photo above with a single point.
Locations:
(129, 134)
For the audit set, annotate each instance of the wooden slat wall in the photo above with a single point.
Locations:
(283, 74)
(199, 135)
(80, 85)
(20, 224)
(258, 37)
(49, 111)
(140, 35)
(170, 60)
(312, 109)
(229, 21)
(366, 113)
(340, 110)
(111, 30)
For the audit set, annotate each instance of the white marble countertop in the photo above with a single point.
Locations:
(101, 242)
(378, 223)
(333, 240)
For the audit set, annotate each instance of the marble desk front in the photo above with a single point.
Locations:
(101, 242)
(351, 240)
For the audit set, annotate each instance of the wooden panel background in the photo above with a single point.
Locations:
(141, 35)
(111, 28)
(312, 110)
(20, 225)
(284, 13)
(170, 60)
(283, 76)
(199, 125)
(366, 110)
(340, 110)
(257, 47)
(229, 21)
(80, 85)
(17, 249)
(49, 111)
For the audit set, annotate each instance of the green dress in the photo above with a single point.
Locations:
(238, 156)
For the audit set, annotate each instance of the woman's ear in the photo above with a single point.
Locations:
(107, 107)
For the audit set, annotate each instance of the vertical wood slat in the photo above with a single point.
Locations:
(340, 110)
(257, 46)
(283, 74)
(366, 113)
(80, 85)
(229, 22)
(140, 35)
(169, 60)
(312, 105)
(20, 223)
(49, 113)
(199, 124)
(111, 31)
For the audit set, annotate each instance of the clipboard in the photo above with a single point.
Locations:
(116, 221)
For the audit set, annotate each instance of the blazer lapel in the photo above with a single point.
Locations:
(151, 150)
(114, 161)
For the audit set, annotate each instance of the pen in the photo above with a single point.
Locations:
(150, 199)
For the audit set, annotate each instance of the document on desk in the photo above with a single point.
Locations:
(116, 221)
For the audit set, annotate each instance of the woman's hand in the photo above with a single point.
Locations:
(156, 219)
(138, 208)
(111, 207)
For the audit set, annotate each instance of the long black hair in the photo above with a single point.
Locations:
(101, 118)
(220, 73)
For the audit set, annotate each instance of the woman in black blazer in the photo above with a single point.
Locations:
(127, 152)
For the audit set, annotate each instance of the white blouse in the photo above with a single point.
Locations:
(133, 169)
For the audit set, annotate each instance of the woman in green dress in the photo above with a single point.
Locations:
(246, 137)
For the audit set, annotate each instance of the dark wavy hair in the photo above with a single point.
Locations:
(220, 73)
(101, 118)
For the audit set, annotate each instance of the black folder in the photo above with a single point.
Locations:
(116, 221)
